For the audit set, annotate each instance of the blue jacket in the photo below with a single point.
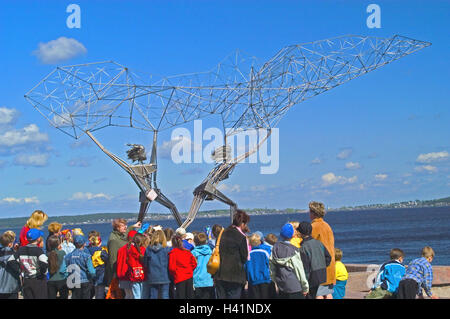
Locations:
(99, 278)
(389, 276)
(83, 259)
(257, 268)
(9, 278)
(156, 264)
(187, 245)
(202, 278)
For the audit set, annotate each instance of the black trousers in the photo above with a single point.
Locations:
(261, 291)
(407, 289)
(205, 293)
(84, 292)
(53, 287)
(35, 288)
(185, 289)
(292, 295)
(9, 296)
(228, 290)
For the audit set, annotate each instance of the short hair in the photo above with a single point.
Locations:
(7, 238)
(317, 208)
(54, 227)
(338, 254)
(37, 219)
(216, 230)
(158, 237)
(254, 240)
(427, 251)
(118, 221)
(200, 239)
(396, 253)
(271, 239)
(240, 217)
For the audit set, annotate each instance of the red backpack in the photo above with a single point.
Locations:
(122, 265)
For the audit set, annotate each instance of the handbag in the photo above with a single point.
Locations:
(214, 261)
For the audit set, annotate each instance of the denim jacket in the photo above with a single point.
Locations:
(81, 258)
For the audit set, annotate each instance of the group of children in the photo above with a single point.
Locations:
(159, 263)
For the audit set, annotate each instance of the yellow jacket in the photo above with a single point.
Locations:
(341, 271)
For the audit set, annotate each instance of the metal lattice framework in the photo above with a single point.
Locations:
(84, 98)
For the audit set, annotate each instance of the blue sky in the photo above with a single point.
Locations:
(381, 138)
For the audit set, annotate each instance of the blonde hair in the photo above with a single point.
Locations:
(68, 237)
(37, 219)
(317, 209)
(54, 227)
(158, 237)
(77, 231)
(427, 252)
(254, 240)
(295, 224)
(338, 254)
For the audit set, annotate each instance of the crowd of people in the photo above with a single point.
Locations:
(145, 261)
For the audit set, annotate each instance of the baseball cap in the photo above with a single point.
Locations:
(287, 231)
(34, 233)
(79, 239)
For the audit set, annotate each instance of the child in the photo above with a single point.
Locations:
(203, 282)
(270, 240)
(33, 264)
(296, 238)
(286, 267)
(80, 262)
(135, 273)
(156, 263)
(215, 231)
(341, 275)
(9, 277)
(315, 258)
(53, 229)
(190, 240)
(418, 275)
(57, 269)
(181, 266)
(181, 232)
(389, 276)
(258, 270)
(168, 232)
(99, 257)
(262, 244)
(67, 242)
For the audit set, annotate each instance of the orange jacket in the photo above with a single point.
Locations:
(323, 232)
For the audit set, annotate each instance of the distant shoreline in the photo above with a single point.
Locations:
(106, 218)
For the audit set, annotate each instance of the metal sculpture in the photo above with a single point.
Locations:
(81, 99)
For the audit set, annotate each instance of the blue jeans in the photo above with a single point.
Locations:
(155, 289)
(136, 288)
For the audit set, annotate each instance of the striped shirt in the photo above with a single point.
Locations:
(421, 271)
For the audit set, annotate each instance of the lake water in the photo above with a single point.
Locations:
(364, 236)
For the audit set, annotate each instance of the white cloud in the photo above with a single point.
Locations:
(59, 50)
(344, 154)
(7, 116)
(26, 135)
(331, 178)
(229, 188)
(352, 165)
(433, 157)
(381, 177)
(88, 196)
(31, 160)
(26, 200)
(426, 168)
(316, 161)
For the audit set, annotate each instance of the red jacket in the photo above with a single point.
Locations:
(181, 264)
(23, 236)
(127, 260)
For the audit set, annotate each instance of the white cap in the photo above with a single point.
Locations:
(190, 236)
(180, 231)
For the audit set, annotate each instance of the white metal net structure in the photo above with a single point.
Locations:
(81, 99)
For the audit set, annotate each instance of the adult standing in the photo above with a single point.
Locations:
(231, 276)
(36, 220)
(323, 232)
(116, 240)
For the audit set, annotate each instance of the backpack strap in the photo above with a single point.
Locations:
(218, 239)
